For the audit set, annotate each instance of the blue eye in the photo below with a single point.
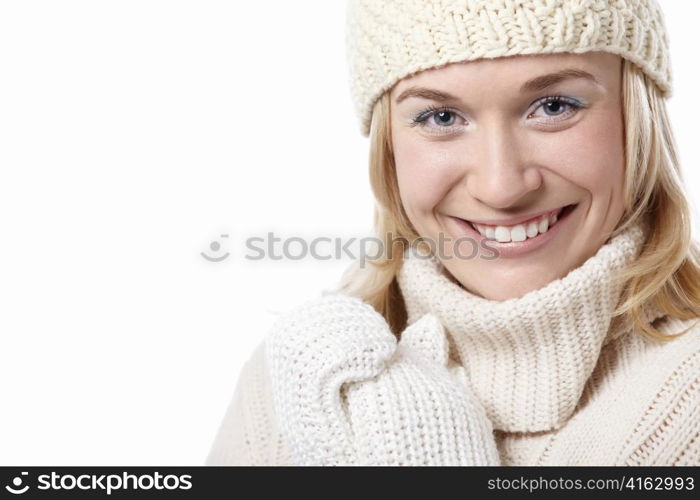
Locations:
(440, 117)
(557, 105)
(444, 117)
(553, 105)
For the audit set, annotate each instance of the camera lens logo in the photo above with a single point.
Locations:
(17, 483)
(215, 246)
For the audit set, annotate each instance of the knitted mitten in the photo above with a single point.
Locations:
(347, 393)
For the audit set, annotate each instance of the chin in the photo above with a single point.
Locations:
(506, 283)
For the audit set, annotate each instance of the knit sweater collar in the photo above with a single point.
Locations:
(528, 358)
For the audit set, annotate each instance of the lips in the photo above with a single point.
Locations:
(516, 242)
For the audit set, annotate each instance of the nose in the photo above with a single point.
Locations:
(501, 171)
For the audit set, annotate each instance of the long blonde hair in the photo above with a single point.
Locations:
(667, 271)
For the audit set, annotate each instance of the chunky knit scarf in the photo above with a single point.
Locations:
(528, 358)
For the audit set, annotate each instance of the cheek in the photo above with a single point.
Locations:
(590, 155)
(425, 175)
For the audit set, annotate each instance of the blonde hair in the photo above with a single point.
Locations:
(665, 274)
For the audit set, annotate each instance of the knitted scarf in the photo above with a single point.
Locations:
(529, 358)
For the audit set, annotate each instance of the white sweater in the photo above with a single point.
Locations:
(559, 383)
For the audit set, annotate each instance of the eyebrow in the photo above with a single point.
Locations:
(536, 84)
(542, 82)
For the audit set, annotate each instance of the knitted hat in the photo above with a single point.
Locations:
(387, 40)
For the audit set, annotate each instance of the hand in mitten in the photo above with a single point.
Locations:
(347, 393)
(416, 411)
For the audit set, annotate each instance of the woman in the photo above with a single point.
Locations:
(538, 300)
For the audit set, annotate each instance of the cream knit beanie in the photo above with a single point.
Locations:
(387, 40)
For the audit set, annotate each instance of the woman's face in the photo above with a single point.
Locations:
(508, 143)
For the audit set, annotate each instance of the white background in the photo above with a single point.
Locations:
(132, 135)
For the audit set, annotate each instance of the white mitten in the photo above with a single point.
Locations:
(311, 352)
(346, 393)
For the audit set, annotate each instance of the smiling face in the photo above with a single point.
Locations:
(489, 152)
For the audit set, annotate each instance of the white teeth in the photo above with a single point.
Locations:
(532, 230)
(518, 233)
(502, 234)
(480, 229)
